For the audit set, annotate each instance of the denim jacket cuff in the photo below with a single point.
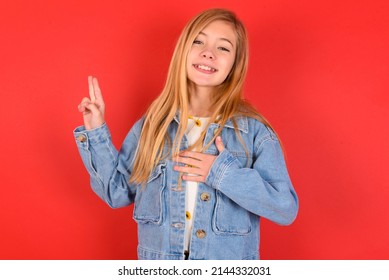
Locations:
(222, 163)
(84, 137)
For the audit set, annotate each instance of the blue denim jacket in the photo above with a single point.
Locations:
(237, 192)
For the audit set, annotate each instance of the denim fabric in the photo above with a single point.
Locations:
(239, 189)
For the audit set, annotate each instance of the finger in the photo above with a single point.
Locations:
(93, 108)
(189, 170)
(81, 108)
(85, 99)
(84, 108)
(193, 155)
(219, 144)
(91, 89)
(82, 105)
(189, 154)
(187, 160)
(98, 94)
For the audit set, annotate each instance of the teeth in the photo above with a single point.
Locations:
(203, 67)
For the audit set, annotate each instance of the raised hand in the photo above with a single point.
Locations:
(197, 165)
(93, 108)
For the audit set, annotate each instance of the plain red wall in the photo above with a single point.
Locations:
(318, 71)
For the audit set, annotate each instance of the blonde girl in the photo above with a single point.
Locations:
(202, 166)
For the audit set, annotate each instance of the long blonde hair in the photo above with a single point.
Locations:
(227, 98)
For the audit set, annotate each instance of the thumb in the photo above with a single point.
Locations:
(219, 144)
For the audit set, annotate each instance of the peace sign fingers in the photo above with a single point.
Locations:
(94, 90)
(93, 108)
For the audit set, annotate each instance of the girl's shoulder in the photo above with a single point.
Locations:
(254, 125)
(135, 130)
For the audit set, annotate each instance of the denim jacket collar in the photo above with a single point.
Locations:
(241, 123)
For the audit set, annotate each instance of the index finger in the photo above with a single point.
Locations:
(91, 89)
(195, 155)
(190, 154)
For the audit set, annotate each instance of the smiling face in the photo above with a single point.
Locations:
(212, 55)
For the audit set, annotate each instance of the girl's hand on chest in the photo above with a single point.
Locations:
(197, 164)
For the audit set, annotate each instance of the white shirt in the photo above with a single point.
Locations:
(193, 132)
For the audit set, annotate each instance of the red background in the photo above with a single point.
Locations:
(318, 72)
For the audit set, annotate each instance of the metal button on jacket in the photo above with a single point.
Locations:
(81, 138)
(205, 196)
(200, 233)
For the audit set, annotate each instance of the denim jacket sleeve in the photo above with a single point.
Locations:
(108, 169)
(265, 188)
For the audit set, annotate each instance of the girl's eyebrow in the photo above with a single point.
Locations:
(221, 38)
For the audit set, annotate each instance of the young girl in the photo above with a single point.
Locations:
(202, 166)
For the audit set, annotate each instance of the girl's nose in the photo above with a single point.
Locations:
(208, 54)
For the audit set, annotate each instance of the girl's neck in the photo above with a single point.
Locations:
(200, 103)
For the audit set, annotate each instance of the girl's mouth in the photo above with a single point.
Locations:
(204, 68)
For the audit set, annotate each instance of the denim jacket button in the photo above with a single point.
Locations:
(205, 196)
(200, 233)
(81, 138)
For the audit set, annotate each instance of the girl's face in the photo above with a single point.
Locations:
(212, 55)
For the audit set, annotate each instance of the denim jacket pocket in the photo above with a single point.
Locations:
(149, 199)
(229, 218)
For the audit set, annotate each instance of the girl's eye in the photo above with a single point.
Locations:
(197, 42)
(224, 49)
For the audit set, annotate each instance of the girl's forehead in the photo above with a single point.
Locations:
(220, 29)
